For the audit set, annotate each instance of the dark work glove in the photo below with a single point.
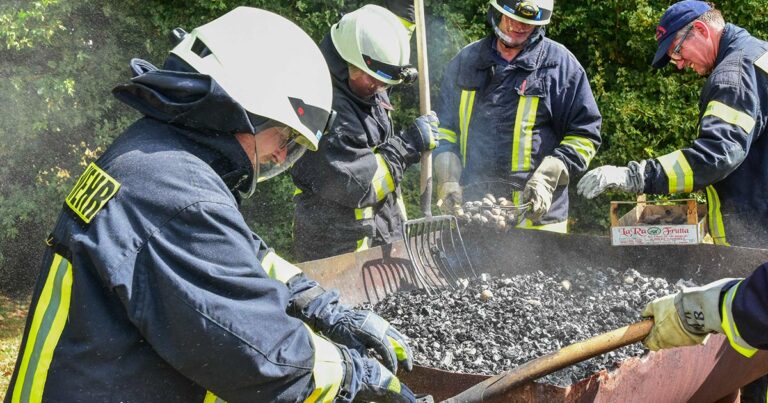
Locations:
(370, 381)
(405, 149)
(401, 8)
(359, 330)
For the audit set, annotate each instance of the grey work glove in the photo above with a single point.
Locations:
(629, 179)
(539, 189)
(685, 318)
(447, 168)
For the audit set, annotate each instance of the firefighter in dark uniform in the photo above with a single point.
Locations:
(729, 158)
(348, 192)
(517, 118)
(154, 289)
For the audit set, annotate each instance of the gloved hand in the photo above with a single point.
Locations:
(550, 174)
(629, 179)
(685, 318)
(423, 132)
(378, 384)
(448, 173)
(359, 330)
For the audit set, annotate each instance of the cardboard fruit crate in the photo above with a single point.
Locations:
(676, 222)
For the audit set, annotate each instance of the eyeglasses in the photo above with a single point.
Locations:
(287, 136)
(679, 46)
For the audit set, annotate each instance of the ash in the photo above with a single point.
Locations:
(494, 324)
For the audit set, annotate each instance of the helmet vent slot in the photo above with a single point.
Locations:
(199, 48)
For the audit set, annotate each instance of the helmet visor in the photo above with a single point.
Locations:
(294, 145)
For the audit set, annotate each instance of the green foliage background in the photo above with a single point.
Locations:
(59, 60)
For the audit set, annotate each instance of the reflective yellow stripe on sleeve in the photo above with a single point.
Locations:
(48, 321)
(446, 135)
(465, 114)
(382, 181)
(278, 268)
(715, 218)
(679, 172)
(582, 146)
(363, 214)
(730, 115)
(522, 140)
(729, 325)
(328, 371)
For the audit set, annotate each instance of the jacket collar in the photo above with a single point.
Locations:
(528, 59)
(731, 34)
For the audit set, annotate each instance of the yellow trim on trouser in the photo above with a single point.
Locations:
(362, 214)
(762, 62)
(48, 322)
(382, 181)
(211, 398)
(328, 371)
(729, 325)
(559, 227)
(582, 146)
(679, 172)
(278, 268)
(730, 115)
(446, 135)
(401, 207)
(465, 114)
(522, 140)
(715, 218)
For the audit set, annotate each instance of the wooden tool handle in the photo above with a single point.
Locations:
(498, 385)
(425, 180)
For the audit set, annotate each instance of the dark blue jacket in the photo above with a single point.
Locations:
(503, 118)
(745, 309)
(730, 157)
(152, 290)
(350, 188)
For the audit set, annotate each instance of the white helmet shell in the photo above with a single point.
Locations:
(374, 40)
(532, 12)
(267, 64)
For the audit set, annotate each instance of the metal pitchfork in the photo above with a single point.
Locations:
(433, 243)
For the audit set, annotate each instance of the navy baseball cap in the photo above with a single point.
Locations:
(675, 18)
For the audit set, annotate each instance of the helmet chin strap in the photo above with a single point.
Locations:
(254, 179)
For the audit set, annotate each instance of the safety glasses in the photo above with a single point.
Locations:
(679, 46)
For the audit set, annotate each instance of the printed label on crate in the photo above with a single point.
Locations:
(655, 235)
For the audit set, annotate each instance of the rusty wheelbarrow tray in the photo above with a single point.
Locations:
(712, 372)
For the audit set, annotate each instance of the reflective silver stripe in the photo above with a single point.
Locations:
(762, 62)
(679, 172)
(522, 140)
(446, 135)
(582, 146)
(382, 181)
(328, 371)
(278, 268)
(730, 115)
(729, 325)
(715, 218)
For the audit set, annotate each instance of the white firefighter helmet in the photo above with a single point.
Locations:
(267, 64)
(533, 12)
(374, 40)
